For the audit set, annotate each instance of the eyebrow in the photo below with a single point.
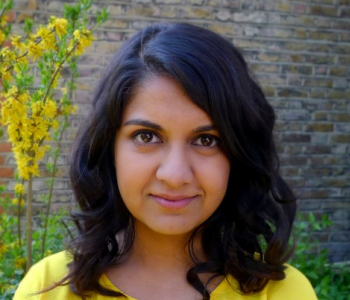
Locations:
(149, 124)
(144, 123)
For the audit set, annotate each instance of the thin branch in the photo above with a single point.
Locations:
(56, 72)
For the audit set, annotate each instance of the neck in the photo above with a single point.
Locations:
(158, 251)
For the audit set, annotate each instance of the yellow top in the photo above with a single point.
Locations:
(53, 268)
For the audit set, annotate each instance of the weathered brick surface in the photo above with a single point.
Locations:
(300, 53)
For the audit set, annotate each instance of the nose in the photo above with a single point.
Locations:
(175, 167)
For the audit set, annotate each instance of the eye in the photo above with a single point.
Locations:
(146, 137)
(206, 141)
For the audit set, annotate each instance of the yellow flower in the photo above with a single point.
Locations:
(60, 26)
(20, 262)
(16, 41)
(47, 37)
(83, 39)
(64, 91)
(2, 36)
(35, 50)
(3, 21)
(49, 109)
(19, 188)
(3, 248)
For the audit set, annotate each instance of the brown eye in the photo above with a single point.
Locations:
(206, 141)
(146, 137)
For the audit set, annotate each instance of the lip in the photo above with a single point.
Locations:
(173, 201)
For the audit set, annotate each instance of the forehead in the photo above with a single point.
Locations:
(163, 99)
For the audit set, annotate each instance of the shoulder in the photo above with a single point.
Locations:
(294, 286)
(42, 275)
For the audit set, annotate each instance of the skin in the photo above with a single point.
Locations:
(172, 176)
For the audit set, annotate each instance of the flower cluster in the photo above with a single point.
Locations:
(31, 115)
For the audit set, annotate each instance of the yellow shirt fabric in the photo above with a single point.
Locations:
(53, 268)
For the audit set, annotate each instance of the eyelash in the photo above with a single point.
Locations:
(215, 139)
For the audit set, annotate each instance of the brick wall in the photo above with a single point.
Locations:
(300, 53)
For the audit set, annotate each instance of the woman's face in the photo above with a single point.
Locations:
(172, 173)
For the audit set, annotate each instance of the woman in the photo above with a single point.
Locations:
(176, 175)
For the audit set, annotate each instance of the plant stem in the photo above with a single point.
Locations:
(19, 231)
(29, 221)
(50, 194)
(56, 72)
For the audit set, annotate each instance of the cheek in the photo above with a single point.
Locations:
(218, 174)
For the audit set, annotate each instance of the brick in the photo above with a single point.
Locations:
(280, 126)
(293, 183)
(322, 22)
(290, 92)
(342, 127)
(341, 83)
(6, 172)
(338, 71)
(226, 29)
(337, 182)
(341, 49)
(318, 82)
(295, 80)
(293, 115)
(319, 59)
(251, 31)
(344, 60)
(316, 171)
(300, 46)
(300, 8)
(337, 94)
(341, 138)
(296, 138)
(344, 12)
(289, 171)
(225, 3)
(294, 69)
(5, 147)
(291, 20)
(318, 149)
(295, 127)
(265, 68)
(107, 47)
(247, 5)
(55, 6)
(195, 13)
(312, 205)
(269, 57)
(323, 35)
(269, 91)
(276, 32)
(340, 149)
(340, 24)
(344, 37)
(320, 116)
(321, 70)
(275, 6)
(323, 10)
(115, 23)
(293, 160)
(250, 44)
(322, 48)
(249, 17)
(321, 127)
(272, 79)
(223, 15)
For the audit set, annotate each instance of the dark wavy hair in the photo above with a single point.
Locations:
(247, 236)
